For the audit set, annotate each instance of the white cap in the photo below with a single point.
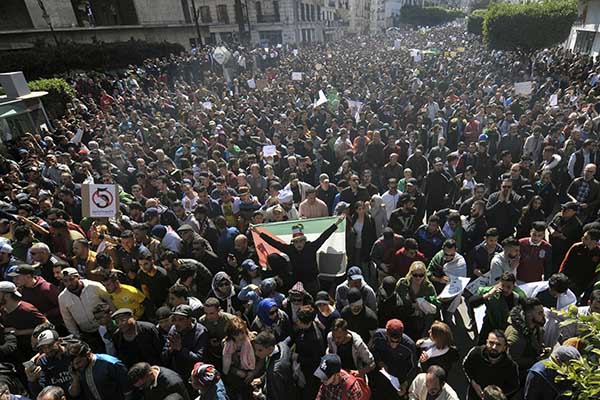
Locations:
(285, 196)
(6, 248)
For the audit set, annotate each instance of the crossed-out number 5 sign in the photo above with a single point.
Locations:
(99, 200)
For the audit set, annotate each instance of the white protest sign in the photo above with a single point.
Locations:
(553, 100)
(455, 287)
(43, 127)
(99, 201)
(355, 108)
(251, 83)
(322, 99)
(295, 52)
(207, 105)
(397, 44)
(77, 137)
(524, 88)
(296, 76)
(221, 55)
(483, 280)
(318, 67)
(269, 150)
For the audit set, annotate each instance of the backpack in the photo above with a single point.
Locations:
(352, 380)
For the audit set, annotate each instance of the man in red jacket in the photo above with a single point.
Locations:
(336, 383)
(536, 255)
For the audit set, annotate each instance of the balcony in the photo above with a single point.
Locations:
(268, 19)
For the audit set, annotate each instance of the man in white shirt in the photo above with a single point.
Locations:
(77, 302)
(391, 197)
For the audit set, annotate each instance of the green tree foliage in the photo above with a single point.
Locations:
(60, 93)
(48, 61)
(475, 22)
(528, 26)
(428, 16)
(583, 374)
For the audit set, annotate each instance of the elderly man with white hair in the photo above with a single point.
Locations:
(40, 253)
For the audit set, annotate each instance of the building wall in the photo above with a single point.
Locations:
(588, 21)
(60, 12)
(165, 20)
(155, 12)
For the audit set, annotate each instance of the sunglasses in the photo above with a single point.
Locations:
(418, 275)
(273, 312)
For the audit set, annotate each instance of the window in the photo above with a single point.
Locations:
(276, 9)
(222, 15)
(271, 38)
(584, 42)
(302, 16)
(312, 12)
(319, 13)
(187, 16)
(205, 14)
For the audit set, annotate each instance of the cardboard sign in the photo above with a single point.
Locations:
(524, 88)
(269, 150)
(262, 84)
(99, 201)
(296, 76)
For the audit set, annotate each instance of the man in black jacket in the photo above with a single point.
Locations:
(490, 364)
(136, 341)
(277, 382)
(503, 209)
(302, 254)
(156, 383)
(310, 347)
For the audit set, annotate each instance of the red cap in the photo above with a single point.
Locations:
(394, 327)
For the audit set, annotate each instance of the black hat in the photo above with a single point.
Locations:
(163, 312)
(330, 365)
(322, 297)
(570, 205)
(183, 309)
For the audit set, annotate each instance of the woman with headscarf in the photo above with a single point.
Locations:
(270, 318)
(225, 291)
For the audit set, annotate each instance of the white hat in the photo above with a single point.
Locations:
(285, 196)
(9, 287)
(6, 248)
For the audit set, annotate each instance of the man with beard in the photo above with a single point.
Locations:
(96, 376)
(499, 300)
(479, 259)
(135, 341)
(475, 226)
(525, 334)
(52, 366)
(565, 230)
(404, 219)
(503, 209)
(154, 280)
(431, 385)
(437, 187)
(507, 261)
(580, 262)
(490, 364)
(361, 319)
(77, 302)
(464, 208)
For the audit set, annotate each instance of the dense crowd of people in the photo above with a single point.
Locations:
(437, 163)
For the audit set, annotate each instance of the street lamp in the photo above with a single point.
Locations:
(48, 21)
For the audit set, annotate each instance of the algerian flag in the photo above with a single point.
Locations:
(332, 252)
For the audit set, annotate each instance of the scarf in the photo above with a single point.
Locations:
(218, 278)
(247, 360)
(263, 311)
